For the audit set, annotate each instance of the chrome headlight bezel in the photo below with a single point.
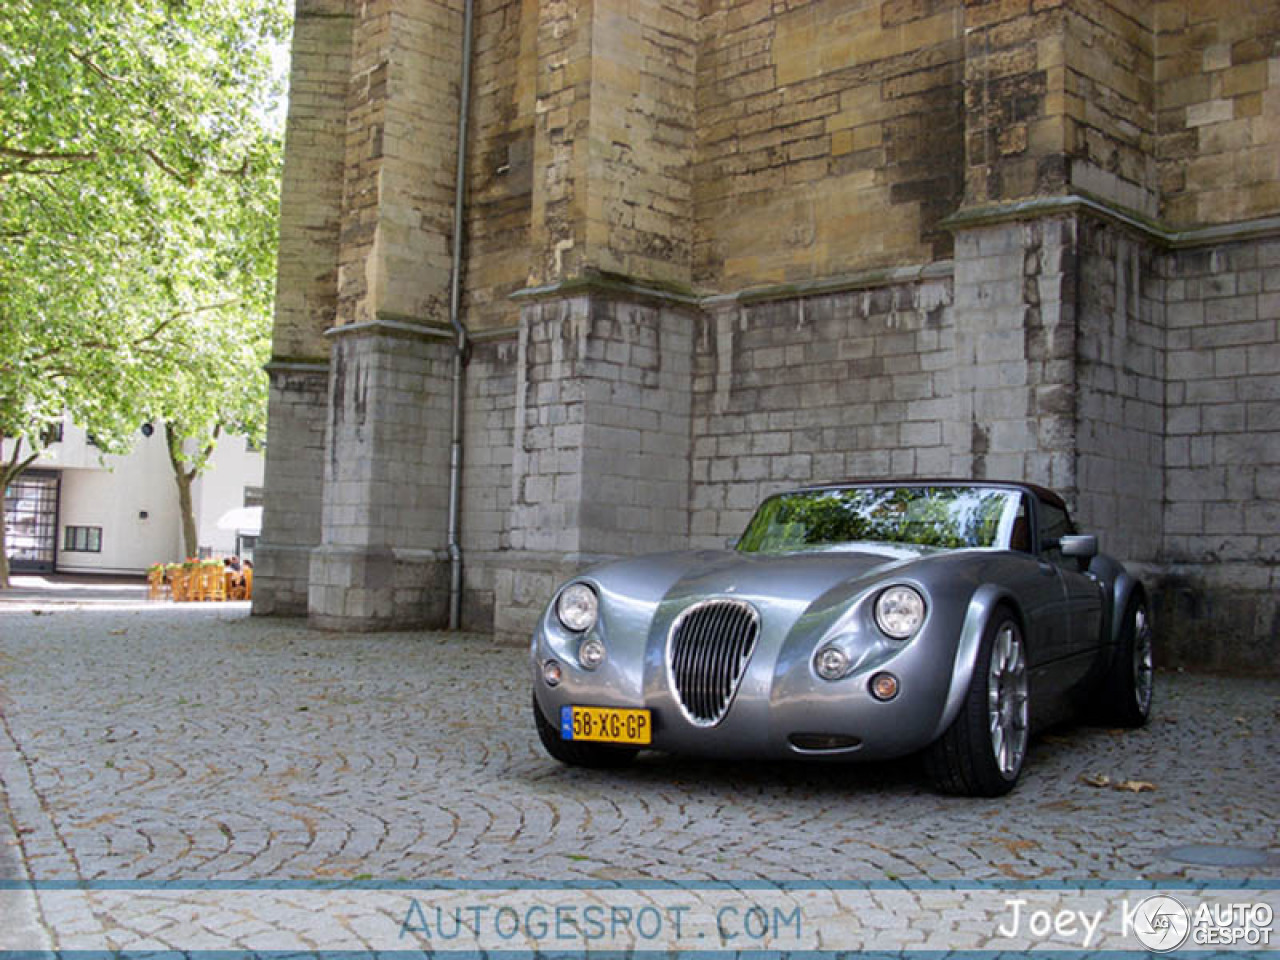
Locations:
(900, 611)
(831, 662)
(591, 653)
(578, 607)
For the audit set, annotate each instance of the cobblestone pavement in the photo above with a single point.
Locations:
(196, 743)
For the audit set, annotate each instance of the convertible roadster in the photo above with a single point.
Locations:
(853, 621)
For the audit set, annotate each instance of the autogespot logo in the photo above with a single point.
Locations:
(1161, 923)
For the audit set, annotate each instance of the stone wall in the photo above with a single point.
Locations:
(501, 169)
(1120, 370)
(720, 248)
(1109, 98)
(1222, 454)
(1217, 78)
(381, 557)
(293, 486)
(306, 304)
(850, 384)
(489, 417)
(829, 138)
(601, 442)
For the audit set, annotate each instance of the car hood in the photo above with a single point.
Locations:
(793, 580)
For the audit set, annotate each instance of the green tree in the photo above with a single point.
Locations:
(220, 388)
(139, 175)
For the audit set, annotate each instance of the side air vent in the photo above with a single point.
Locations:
(707, 654)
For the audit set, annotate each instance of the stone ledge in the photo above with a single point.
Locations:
(1081, 201)
(609, 284)
(296, 366)
(389, 326)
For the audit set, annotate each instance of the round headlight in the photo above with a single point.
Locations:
(832, 663)
(591, 653)
(577, 607)
(899, 612)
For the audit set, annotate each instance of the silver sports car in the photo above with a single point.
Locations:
(853, 621)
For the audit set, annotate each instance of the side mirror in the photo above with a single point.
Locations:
(1084, 546)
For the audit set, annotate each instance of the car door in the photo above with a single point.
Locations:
(1082, 610)
(1040, 591)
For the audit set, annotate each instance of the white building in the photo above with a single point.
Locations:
(78, 510)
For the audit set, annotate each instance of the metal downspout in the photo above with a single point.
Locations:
(455, 319)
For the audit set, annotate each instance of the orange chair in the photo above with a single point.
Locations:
(155, 583)
(213, 582)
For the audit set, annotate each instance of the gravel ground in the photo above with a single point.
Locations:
(195, 743)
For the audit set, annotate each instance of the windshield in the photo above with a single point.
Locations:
(946, 517)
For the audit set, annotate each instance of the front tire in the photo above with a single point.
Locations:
(982, 752)
(1129, 687)
(597, 755)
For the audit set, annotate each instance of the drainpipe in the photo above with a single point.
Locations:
(455, 319)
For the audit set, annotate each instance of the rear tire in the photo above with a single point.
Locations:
(982, 752)
(1127, 691)
(597, 755)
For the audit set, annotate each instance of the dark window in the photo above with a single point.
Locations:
(82, 539)
(253, 496)
(1020, 538)
(31, 520)
(51, 434)
(1054, 525)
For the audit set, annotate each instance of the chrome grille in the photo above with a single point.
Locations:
(707, 654)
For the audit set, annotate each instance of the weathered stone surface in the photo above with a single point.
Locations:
(773, 242)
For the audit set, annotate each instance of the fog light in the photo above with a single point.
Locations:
(551, 673)
(832, 663)
(591, 653)
(884, 686)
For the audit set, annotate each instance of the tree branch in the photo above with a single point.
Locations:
(31, 156)
(185, 179)
(15, 466)
(87, 61)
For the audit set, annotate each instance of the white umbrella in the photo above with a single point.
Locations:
(242, 520)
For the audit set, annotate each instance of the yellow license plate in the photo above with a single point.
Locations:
(606, 725)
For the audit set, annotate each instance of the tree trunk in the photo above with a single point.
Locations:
(4, 548)
(183, 478)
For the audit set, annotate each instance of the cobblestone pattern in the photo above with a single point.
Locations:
(855, 384)
(1222, 519)
(198, 744)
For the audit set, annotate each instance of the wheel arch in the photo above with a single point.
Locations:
(986, 600)
(1127, 588)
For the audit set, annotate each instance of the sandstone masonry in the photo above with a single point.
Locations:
(714, 250)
